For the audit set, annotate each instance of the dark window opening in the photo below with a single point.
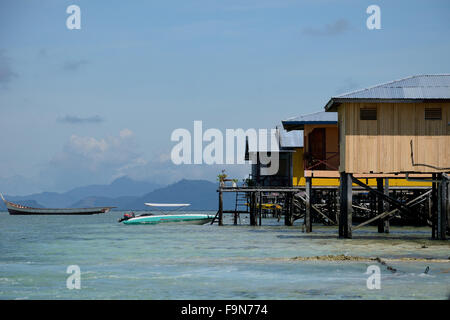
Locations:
(368, 114)
(433, 114)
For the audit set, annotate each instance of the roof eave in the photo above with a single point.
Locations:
(332, 105)
(300, 125)
(290, 126)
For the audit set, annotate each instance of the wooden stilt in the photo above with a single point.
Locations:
(335, 206)
(329, 204)
(430, 210)
(235, 215)
(434, 206)
(442, 208)
(253, 208)
(380, 207)
(346, 209)
(308, 204)
(288, 209)
(383, 206)
(448, 203)
(220, 208)
(342, 203)
(386, 205)
(260, 208)
(291, 209)
(348, 229)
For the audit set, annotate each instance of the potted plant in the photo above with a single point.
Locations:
(221, 178)
(235, 181)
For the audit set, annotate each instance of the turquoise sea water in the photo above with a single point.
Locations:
(170, 261)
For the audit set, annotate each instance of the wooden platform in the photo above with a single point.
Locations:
(335, 174)
(355, 197)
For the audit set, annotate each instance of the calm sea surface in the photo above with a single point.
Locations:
(170, 261)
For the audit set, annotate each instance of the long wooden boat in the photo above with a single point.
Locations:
(17, 209)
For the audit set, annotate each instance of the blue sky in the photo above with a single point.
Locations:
(86, 106)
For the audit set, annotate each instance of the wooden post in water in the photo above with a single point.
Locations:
(448, 203)
(308, 203)
(288, 209)
(253, 208)
(430, 211)
(342, 203)
(220, 207)
(335, 206)
(386, 205)
(291, 203)
(380, 207)
(348, 226)
(442, 208)
(260, 208)
(383, 206)
(434, 207)
(345, 211)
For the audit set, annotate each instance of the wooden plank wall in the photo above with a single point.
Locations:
(331, 140)
(383, 145)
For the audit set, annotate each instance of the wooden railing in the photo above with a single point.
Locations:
(311, 163)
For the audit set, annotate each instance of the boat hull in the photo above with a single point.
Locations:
(179, 219)
(55, 213)
(21, 210)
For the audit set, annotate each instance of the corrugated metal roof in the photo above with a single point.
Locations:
(315, 117)
(321, 117)
(268, 147)
(292, 139)
(285, 141)
(418, 87)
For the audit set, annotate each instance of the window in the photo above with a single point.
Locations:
(433, 114)
(368, 113)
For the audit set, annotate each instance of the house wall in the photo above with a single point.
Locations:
(383, 145)
(281, 178)
(332, 145)
(298, 177)
(331, 141)
(297, 171)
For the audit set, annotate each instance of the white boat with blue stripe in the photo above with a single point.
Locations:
(165, 217)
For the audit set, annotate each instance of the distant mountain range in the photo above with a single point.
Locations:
(127, 194)
(121, 187)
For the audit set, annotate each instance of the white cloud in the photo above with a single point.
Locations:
(87, 146)
(98, 152)
(126, 133)
(86, 160)
(96, 160)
